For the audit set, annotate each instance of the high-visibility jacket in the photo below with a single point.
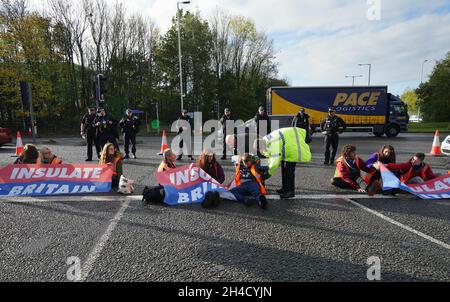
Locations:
(55, 161)
(116, 161)
(254, 173)
(407, 171)
(286, 144)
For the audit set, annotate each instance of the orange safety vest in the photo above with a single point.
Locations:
(341, 159)
(254, 173)
(116, 160)
(55, 161)
(407, 176)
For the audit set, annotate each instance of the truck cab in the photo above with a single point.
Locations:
(397, 118)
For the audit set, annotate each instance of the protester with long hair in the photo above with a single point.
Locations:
(110, 156)
(29, 156)
(348, 171)
(208, 163)
(46, 157)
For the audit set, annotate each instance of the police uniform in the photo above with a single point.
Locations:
(88, 121)
(333, 126)
(302, 121)
(286, 147)
(106, 132)
(130, 128)
(188, 119)
(223, 121)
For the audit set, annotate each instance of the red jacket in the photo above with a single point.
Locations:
(343, 171)
(407, 171)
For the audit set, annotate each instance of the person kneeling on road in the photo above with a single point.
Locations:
(110, 156)
(414, 171)
(348, 171)
(46, 157)
(249, 186)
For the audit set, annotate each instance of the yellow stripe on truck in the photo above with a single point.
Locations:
(282, 107)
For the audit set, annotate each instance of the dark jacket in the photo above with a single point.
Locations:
(333, 125)
(224, 120)
(265, 117)
(215, 170)
(105, 128)
(188, 119)
(300, 121)
(130, 125)
(88, 121)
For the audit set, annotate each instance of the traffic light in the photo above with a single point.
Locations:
(100, 89)
(215, 107)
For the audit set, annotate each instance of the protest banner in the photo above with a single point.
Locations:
(45, 180)
(438, 188)
(187, 185)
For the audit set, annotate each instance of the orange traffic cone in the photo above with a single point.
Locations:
(164, 144)
(436, 148)
(19, 144)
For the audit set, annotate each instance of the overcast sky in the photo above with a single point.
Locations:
(319, 42)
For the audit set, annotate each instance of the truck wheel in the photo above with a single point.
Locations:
(392, 131)
(378, 134)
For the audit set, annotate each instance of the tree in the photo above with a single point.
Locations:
(411, 99)
(434, 95)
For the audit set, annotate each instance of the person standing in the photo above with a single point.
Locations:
(106, 132)
(331, 127)
(285, 147)
(301, 120)
(228, 118)
(262, 119)
(88, 131)
(130, 128)
(182, 120)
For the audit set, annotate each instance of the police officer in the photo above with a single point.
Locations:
(262, 120)
(331, 127)
(88, 131)
(285, 147)
(130, 128)
(227, 117)
(184, 118)
(106, 129)
(301, 120)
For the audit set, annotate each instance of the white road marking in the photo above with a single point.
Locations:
(96, 252)
(139, 197)
(394, 222)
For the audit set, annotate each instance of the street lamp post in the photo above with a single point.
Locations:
(353, 77)
(179, 52)
(421, 82)
(370, 69)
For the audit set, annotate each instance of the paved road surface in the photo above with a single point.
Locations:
(320, 236)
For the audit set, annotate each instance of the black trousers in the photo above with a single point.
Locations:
(92, 140)
(331, 140)
(130, 138)
(235, 151)
(288, 176)
(189, 151)
(105, 138)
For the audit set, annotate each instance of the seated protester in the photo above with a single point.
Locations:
(249, 187)
(168, 161)
(156, 194)
(110, 156)
(29, 156)
(348, 171)
(414, 171)
(46, 157)
(208, 163)
(386, 155)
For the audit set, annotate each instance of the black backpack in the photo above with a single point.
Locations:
(153, 195)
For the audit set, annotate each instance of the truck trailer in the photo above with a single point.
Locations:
(369, 109)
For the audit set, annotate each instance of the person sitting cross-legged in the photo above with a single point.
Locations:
(348, 171)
